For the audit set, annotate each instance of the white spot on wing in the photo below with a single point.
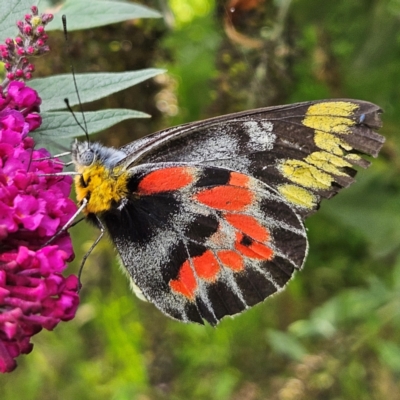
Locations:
(261, 137)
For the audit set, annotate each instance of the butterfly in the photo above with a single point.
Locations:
(208, 217)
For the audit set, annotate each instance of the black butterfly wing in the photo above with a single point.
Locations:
(203, 242)
(306, 151)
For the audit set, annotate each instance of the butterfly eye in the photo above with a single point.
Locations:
(87, 157)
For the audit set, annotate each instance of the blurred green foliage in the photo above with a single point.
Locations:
(334, 333)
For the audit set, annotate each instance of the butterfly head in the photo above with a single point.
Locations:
(82, 154)
(86, 154)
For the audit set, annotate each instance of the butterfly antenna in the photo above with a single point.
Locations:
(84, 126)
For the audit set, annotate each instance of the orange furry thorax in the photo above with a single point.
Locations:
(103, 187)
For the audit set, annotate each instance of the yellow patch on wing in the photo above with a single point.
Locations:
(331, 143)
(298, 196)
(331, 117)
(306, 175)
(102, 187)
(353, 157)
(328, 162)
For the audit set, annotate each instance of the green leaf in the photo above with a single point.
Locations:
(92, 13)
(93, 86)
(286, 344)
(11, 12)
(61, 124)
(389, 353)
(346, 309)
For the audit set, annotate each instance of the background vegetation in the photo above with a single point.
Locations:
(334, 333)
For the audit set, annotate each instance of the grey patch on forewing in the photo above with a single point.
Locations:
(261, 136)
(218, 145)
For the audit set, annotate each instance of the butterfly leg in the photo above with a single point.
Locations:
(84, 258)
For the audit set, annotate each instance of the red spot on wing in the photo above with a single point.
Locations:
(229, 198)
(248, 225)
(237, 179)
(231, 259)
(186, 282)
(254, 249)
(166, 179)
(206, 266)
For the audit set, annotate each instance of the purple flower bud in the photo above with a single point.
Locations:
(20, 51)
(28, 17)
(40, 30)
(28, 76)
(30, 50)
(46, 18)
(27, 29)
(19, 41)
(19, 73)
(10, 76)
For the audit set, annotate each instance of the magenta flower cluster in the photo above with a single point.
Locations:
(34, 206)
(33, 292)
